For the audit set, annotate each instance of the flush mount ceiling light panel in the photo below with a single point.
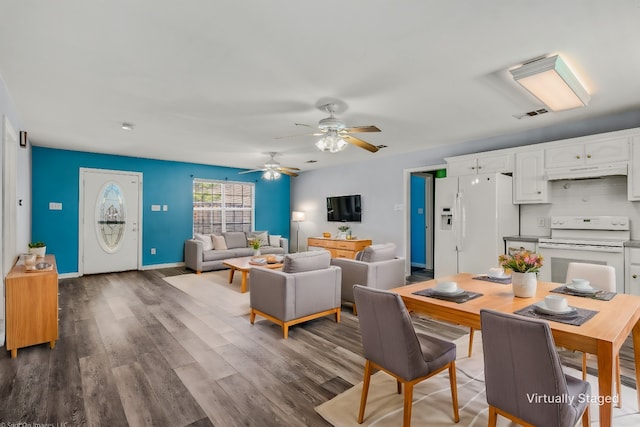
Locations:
(552, 82)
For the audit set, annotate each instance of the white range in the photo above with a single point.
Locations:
(590, 239)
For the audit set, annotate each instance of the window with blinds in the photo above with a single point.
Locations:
(220, 206)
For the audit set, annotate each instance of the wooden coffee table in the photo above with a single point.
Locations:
(243, 265)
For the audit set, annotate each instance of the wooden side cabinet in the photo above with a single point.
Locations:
(31, 307)
(339, 248)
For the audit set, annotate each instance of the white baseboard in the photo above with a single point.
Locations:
(68, 275)
(144, 267)
(158, 266)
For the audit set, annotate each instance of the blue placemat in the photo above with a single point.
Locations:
(503, 280)
(577, 318)
(600, 295)
(460, 298)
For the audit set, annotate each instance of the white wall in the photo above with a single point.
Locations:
(600, 196)
(311, 189)
(380, 181)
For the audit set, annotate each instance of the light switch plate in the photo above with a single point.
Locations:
(55, 206)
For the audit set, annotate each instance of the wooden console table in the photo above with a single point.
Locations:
(339, 248)
(31, 306)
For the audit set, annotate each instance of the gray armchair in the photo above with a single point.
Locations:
(520, 364)
(375, 267)
(308, 287)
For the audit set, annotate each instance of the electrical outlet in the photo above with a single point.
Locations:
(541, 222)
(153, 251)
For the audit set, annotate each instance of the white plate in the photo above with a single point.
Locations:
(541, 307)
(499, 276)
(586, 291)
(448, 294)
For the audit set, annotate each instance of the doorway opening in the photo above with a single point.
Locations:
(421, 220)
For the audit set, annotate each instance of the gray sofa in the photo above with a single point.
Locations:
(200, 255)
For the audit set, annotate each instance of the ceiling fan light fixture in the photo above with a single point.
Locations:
(271, 174)
(553, 83)
(331, 143)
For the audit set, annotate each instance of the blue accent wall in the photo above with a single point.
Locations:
(418, 224)
(56, 175)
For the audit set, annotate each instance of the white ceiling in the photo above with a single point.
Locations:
(215, 81)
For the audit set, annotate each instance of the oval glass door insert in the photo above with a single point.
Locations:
(110, 217)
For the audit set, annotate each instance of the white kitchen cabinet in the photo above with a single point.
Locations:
(471, 165)
(612, 150)
(632, 271)
(466, 166)
(633, 179)
(529, 182)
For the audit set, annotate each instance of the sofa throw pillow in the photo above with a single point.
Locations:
(263, 236)
(219, 243)
(207, 243)
(274, 240)
(306, 261)
(235, 239)
(379, 252)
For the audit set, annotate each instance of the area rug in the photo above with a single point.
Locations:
(212, 286)
(432, 399)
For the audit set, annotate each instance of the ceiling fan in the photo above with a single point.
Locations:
(272, 169)
(336, 135)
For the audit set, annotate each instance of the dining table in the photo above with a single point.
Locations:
(603, 334)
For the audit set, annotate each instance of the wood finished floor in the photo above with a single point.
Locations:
(135, 350)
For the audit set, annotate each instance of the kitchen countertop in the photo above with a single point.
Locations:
(531, 238)
(632, 244)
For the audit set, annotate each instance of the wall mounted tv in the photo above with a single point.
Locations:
(344, 208)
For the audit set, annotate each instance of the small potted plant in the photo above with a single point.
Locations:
(38, 248)
(255, 244)
(344, 231)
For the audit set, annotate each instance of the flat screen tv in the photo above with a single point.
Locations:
(344, 208)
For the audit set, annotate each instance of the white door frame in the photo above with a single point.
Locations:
(9, 196)
(8, 208)
(406, 227)
(81, 213)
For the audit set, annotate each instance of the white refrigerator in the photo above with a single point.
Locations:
(473, 215)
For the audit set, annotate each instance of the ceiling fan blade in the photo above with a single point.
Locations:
(288, 168)
(253, 170)
(361, 129)
(288, 173)
(303, 124)
(303, 134)
(360, 143)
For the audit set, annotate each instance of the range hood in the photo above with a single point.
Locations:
(583, 172)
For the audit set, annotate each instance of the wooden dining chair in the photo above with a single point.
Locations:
(392, 345)
(602, 277)
(522, 368)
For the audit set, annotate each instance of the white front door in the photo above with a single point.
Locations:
(110, 220)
